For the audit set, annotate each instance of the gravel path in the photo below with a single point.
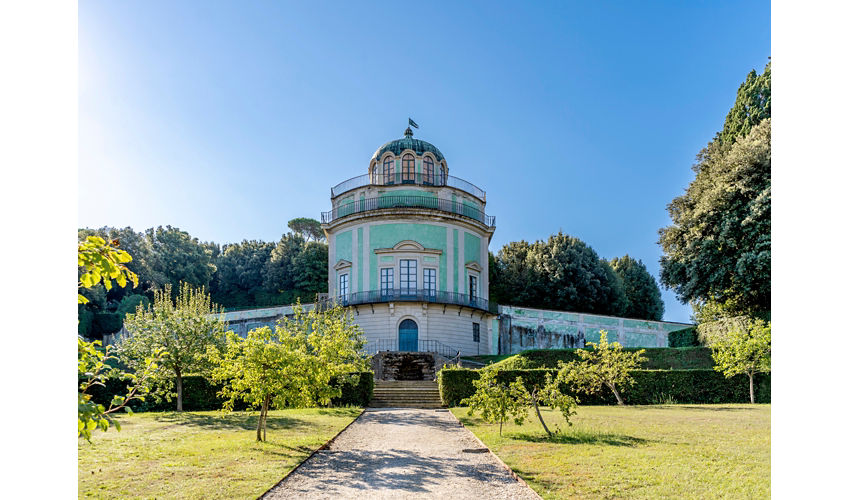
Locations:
(403, 452)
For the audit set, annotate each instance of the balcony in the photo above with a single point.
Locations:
(399, 178)
(405, 201)
(418, 295)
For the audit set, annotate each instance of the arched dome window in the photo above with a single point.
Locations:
(408, 169)
(428, 170)
(389, 171)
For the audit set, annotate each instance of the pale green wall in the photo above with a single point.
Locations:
(343, 247)
(471, 249)
(359, 259)
(388, 235)
(454, 256)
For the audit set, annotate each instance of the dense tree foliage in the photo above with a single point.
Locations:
(182, 329)
(180, 257)
(642, 292)
(309, 229)
(292, 364)
(560, 273)
(250, 273)
(717, 250)
(240, 271)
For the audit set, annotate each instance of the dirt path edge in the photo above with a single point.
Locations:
(499, 460)
(324, 447)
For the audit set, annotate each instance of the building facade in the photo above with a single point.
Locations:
(408, 252)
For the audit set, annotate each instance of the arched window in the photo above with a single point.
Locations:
(428, 170)
(388, 176)
(408, 169)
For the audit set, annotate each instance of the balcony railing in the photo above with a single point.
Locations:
(378, 345)
(405, 295)
(401, 178)
(404, 201)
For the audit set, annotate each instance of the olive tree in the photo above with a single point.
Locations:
(182, 329)
(292, 365)
(744, 351)
(605, 365)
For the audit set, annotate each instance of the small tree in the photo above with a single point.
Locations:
(744, 350)
(309, 229)
(498, 401)
(293, 364)
(606, 365)
(551, 395)
(181, 329)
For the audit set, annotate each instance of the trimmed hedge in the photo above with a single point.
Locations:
(658, 358)
(107, 323)
(651, 386)
(199, 394)
(683, 338)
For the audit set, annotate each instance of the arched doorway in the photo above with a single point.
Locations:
(408, 336)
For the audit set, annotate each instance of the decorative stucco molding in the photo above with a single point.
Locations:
(408, 246)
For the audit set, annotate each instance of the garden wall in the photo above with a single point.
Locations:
(523, 328)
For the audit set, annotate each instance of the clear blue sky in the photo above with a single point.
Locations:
(229, 119)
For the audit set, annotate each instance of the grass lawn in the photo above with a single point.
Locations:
(202, 454)
(675, 451)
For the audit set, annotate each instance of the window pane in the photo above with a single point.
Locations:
(407, 278)
(476, 332)
(408, 169)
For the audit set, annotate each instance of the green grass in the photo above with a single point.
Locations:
(202, 454)
(676, 451)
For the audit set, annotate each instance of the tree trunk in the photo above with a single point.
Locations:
(539, 416)
(266, 417)
(752, 393)
(617, 394)
(179, 390)
(261, 422)
(500, 427)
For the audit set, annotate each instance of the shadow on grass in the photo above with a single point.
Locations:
(580, 436)
(231, 421)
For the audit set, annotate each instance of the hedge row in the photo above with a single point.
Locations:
(658, 358)
(683, 338)
(651, 386)
(199, 394)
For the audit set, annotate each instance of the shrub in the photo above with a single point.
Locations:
(130, 303)
(85, 319)
(683, 338)
(106, 323)
(682, 386)
(658, 358)
(202, 395)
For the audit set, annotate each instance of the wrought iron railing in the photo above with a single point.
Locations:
(378, 345)
(410, 295)
(400, 178)
(407, 201)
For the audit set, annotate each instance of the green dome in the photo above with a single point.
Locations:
(408, 142)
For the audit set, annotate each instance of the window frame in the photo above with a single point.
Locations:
(428, 170)
(408, 169)
(406, 277)
(388, 170)
(426, 283)
(386, 281)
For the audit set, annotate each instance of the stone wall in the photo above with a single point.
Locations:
(404, 366)
(523, 328)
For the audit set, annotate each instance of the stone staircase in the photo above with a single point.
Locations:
(406, 394)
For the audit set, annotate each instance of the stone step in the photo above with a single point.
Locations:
(405, 398)
(405, 383)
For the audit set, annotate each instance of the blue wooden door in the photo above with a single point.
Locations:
(408, 336)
